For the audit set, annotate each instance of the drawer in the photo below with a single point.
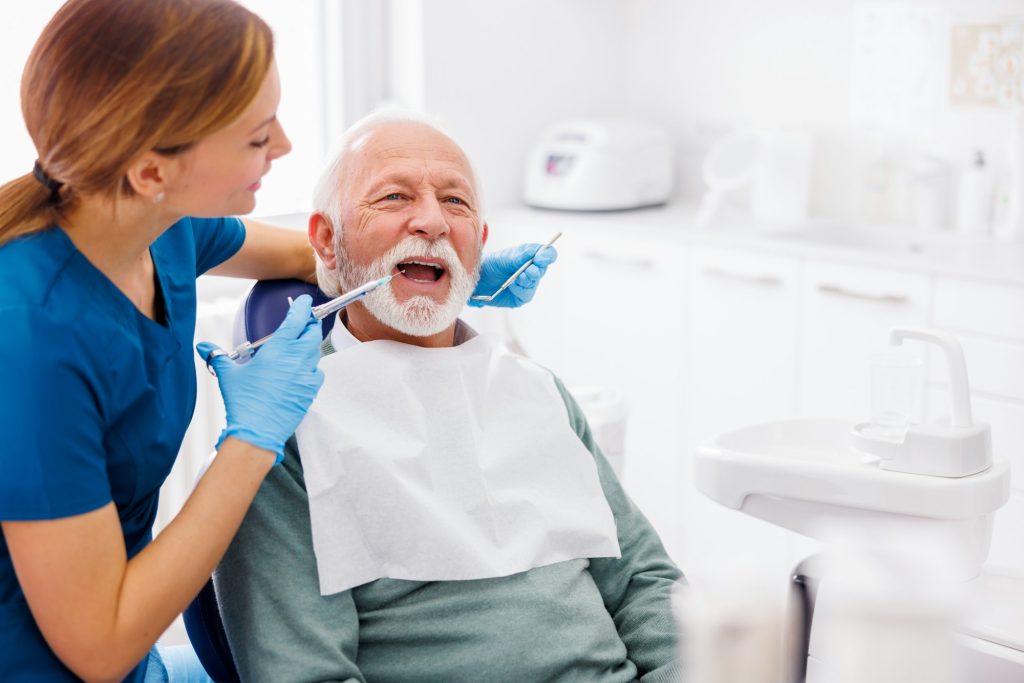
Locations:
(744, 269)
(994, 366)
(868, 288)
(985, 308)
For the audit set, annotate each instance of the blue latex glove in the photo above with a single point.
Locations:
(266, 398)
(498, 267)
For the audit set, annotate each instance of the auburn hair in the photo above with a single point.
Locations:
(109, 80)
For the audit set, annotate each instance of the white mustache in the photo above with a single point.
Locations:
(419, 316)
(352, 274)
(412, 247)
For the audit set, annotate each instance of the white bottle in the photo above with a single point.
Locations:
(1013, 227)
(974, 202)
(929, 185)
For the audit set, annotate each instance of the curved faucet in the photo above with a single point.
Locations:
(954, 360)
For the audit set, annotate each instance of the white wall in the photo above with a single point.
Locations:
(696, 66)
(20, 25)
(298, 42)
(498, 72)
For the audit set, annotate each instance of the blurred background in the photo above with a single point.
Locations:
(751, 193)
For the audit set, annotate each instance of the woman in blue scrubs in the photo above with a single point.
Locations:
(152, 119)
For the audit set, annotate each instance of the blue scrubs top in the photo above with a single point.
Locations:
(94, 399)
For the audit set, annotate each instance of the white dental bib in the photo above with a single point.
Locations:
(439, 464)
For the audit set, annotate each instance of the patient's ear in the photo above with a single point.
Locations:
(321, 236)
(483, 237)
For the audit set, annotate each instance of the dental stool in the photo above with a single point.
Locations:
(261, 312)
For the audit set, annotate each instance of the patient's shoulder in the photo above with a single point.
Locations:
(292, 462)
(284, 488)
(277, 521)
(576, 417)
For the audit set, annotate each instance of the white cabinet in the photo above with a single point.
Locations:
(622, 322)
(968, 305)
(741, 369)
(742, 327)
(988, 319)
(846, 312)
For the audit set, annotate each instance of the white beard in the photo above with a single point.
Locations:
(420, 316)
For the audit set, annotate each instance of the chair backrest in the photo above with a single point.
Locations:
(262, 311)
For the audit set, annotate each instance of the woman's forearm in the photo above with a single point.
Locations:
(164, 578)
(270, 253)
(99, 611)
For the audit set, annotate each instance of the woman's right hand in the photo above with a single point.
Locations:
(266, 398)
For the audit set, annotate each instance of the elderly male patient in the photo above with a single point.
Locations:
(443, 513)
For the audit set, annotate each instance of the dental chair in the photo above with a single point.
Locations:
(261, 312)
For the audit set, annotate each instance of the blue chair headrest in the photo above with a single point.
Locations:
(267, 303)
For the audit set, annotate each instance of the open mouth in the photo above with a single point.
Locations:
(421, 270)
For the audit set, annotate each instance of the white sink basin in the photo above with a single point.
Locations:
(805, 476)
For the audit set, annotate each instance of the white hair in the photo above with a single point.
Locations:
(328, 194)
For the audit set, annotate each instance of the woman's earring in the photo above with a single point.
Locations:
(158, 198)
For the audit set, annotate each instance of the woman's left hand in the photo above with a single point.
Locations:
(498, 267)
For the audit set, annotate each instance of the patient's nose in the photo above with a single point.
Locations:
(428, 218)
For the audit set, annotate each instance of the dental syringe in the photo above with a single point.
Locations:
(320, 312)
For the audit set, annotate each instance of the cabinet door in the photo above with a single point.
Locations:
(987, 319)
(740, 369)
(846, 313)
(742, 340)
(622, 321)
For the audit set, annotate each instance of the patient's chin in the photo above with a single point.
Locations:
(419, 316)
(424, 320)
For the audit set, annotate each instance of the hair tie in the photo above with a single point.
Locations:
(46, 181)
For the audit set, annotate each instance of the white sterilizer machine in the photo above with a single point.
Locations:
(599, 165)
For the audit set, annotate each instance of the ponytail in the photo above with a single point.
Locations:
(27, 206)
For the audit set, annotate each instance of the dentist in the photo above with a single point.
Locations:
(153, 119)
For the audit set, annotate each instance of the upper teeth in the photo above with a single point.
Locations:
(421, 263)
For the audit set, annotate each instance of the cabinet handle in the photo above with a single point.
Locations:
(638, 263)
(836, 290)
(764, 280)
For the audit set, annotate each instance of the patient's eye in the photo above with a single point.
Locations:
(393, 196)
(457, 201)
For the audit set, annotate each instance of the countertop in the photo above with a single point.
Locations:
(946, 253)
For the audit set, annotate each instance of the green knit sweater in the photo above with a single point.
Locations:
(601, 619)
